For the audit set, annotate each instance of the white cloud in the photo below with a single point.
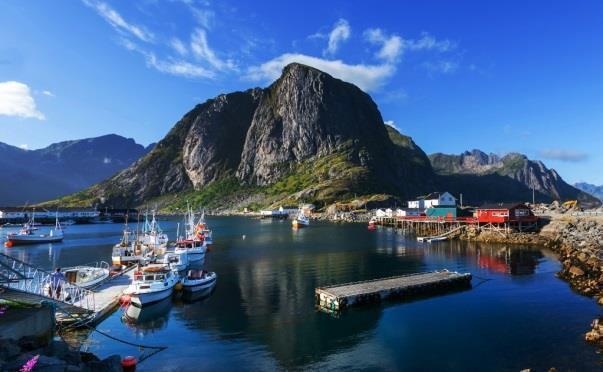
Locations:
(367, 77)
(16, 100)
(170, 66)
(200, 48)
(393, 46)
(47, 93)
(566, 155)
(106, 160)
(443, 67)
(341, 32)
(118, 22)
(24, 146)
(178, 46)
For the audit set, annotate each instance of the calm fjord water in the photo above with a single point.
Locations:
(262, 315)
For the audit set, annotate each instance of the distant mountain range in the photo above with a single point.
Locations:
(594, 190)
(308, 137)
(31, 176)
(476, 172)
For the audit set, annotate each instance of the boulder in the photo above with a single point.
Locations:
(576, 271)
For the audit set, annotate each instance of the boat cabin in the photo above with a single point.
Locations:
(190, 243)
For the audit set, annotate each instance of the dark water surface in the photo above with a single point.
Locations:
(261, 315)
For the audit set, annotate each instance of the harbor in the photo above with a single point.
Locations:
(266, 292)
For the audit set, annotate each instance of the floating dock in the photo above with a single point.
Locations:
(339, 297)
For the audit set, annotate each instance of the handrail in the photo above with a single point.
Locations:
(27, 278)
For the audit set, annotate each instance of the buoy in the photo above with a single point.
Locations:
(125, 300)
(8, 244)
(178, 287)
(128, 364)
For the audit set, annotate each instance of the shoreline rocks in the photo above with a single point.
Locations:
(55, 355)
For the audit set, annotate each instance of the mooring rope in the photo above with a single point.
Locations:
(85, 323)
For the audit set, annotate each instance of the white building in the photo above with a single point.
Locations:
(408, 212)
(433, 200)
(10, 213)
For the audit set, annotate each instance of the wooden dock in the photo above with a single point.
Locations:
(339, 297)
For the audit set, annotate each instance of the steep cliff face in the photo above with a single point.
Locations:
(531, 174)
(307, 136)
(213, 145)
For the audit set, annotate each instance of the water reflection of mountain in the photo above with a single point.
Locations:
(271, 302)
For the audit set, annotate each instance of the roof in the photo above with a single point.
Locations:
(432, 195)
(502, 206)
(443, 207)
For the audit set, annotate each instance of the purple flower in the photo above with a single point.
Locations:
(28, 367)
(3, 309)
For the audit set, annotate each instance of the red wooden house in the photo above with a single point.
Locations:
(505, 213)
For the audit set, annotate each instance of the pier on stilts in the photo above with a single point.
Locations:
(22, 282)
(338, 297)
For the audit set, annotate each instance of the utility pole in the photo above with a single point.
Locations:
(532, 182)
(461, 200)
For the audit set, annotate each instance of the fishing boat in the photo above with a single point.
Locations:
(128, 251)
(199, 280)
(176, 261)
(86, 276)
(151, 284)
(152, 235)
(68, 222)
(193, 244)
(203, 231)
(301, 220)
(27, 235)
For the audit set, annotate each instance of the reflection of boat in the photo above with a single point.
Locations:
(153, 316)
(27, 235)
(199, 280)
(301, 220)
(153, 283)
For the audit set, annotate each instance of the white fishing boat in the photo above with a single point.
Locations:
(68, 222)
(194, 249)
(27, 235)
(151, 284)
(128, 251)
(193, 244)
(87, 276)
(301, 220)
(176, 261)
(153, 236)
(199, 280)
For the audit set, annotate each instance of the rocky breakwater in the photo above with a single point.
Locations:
(579, 243)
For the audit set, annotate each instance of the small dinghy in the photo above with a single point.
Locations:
(151, 284)
(199, 280)
(87, 276)
(176, 261)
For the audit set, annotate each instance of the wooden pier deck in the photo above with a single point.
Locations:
(107, 294)
(339, 297)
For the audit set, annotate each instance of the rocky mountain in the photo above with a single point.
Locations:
(62, 168)
(308, 136)
(476, 170)
(594, 190)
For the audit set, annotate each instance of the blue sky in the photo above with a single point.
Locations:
(500, 76)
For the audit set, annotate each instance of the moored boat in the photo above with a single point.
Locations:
(194, 249)
(301, 220)
(199, 280)
(27, 235)
(87, 276)
(176, 261)
(151, 284)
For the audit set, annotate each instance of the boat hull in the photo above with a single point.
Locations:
(198, 285)
(23, 240)
(147, 298)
